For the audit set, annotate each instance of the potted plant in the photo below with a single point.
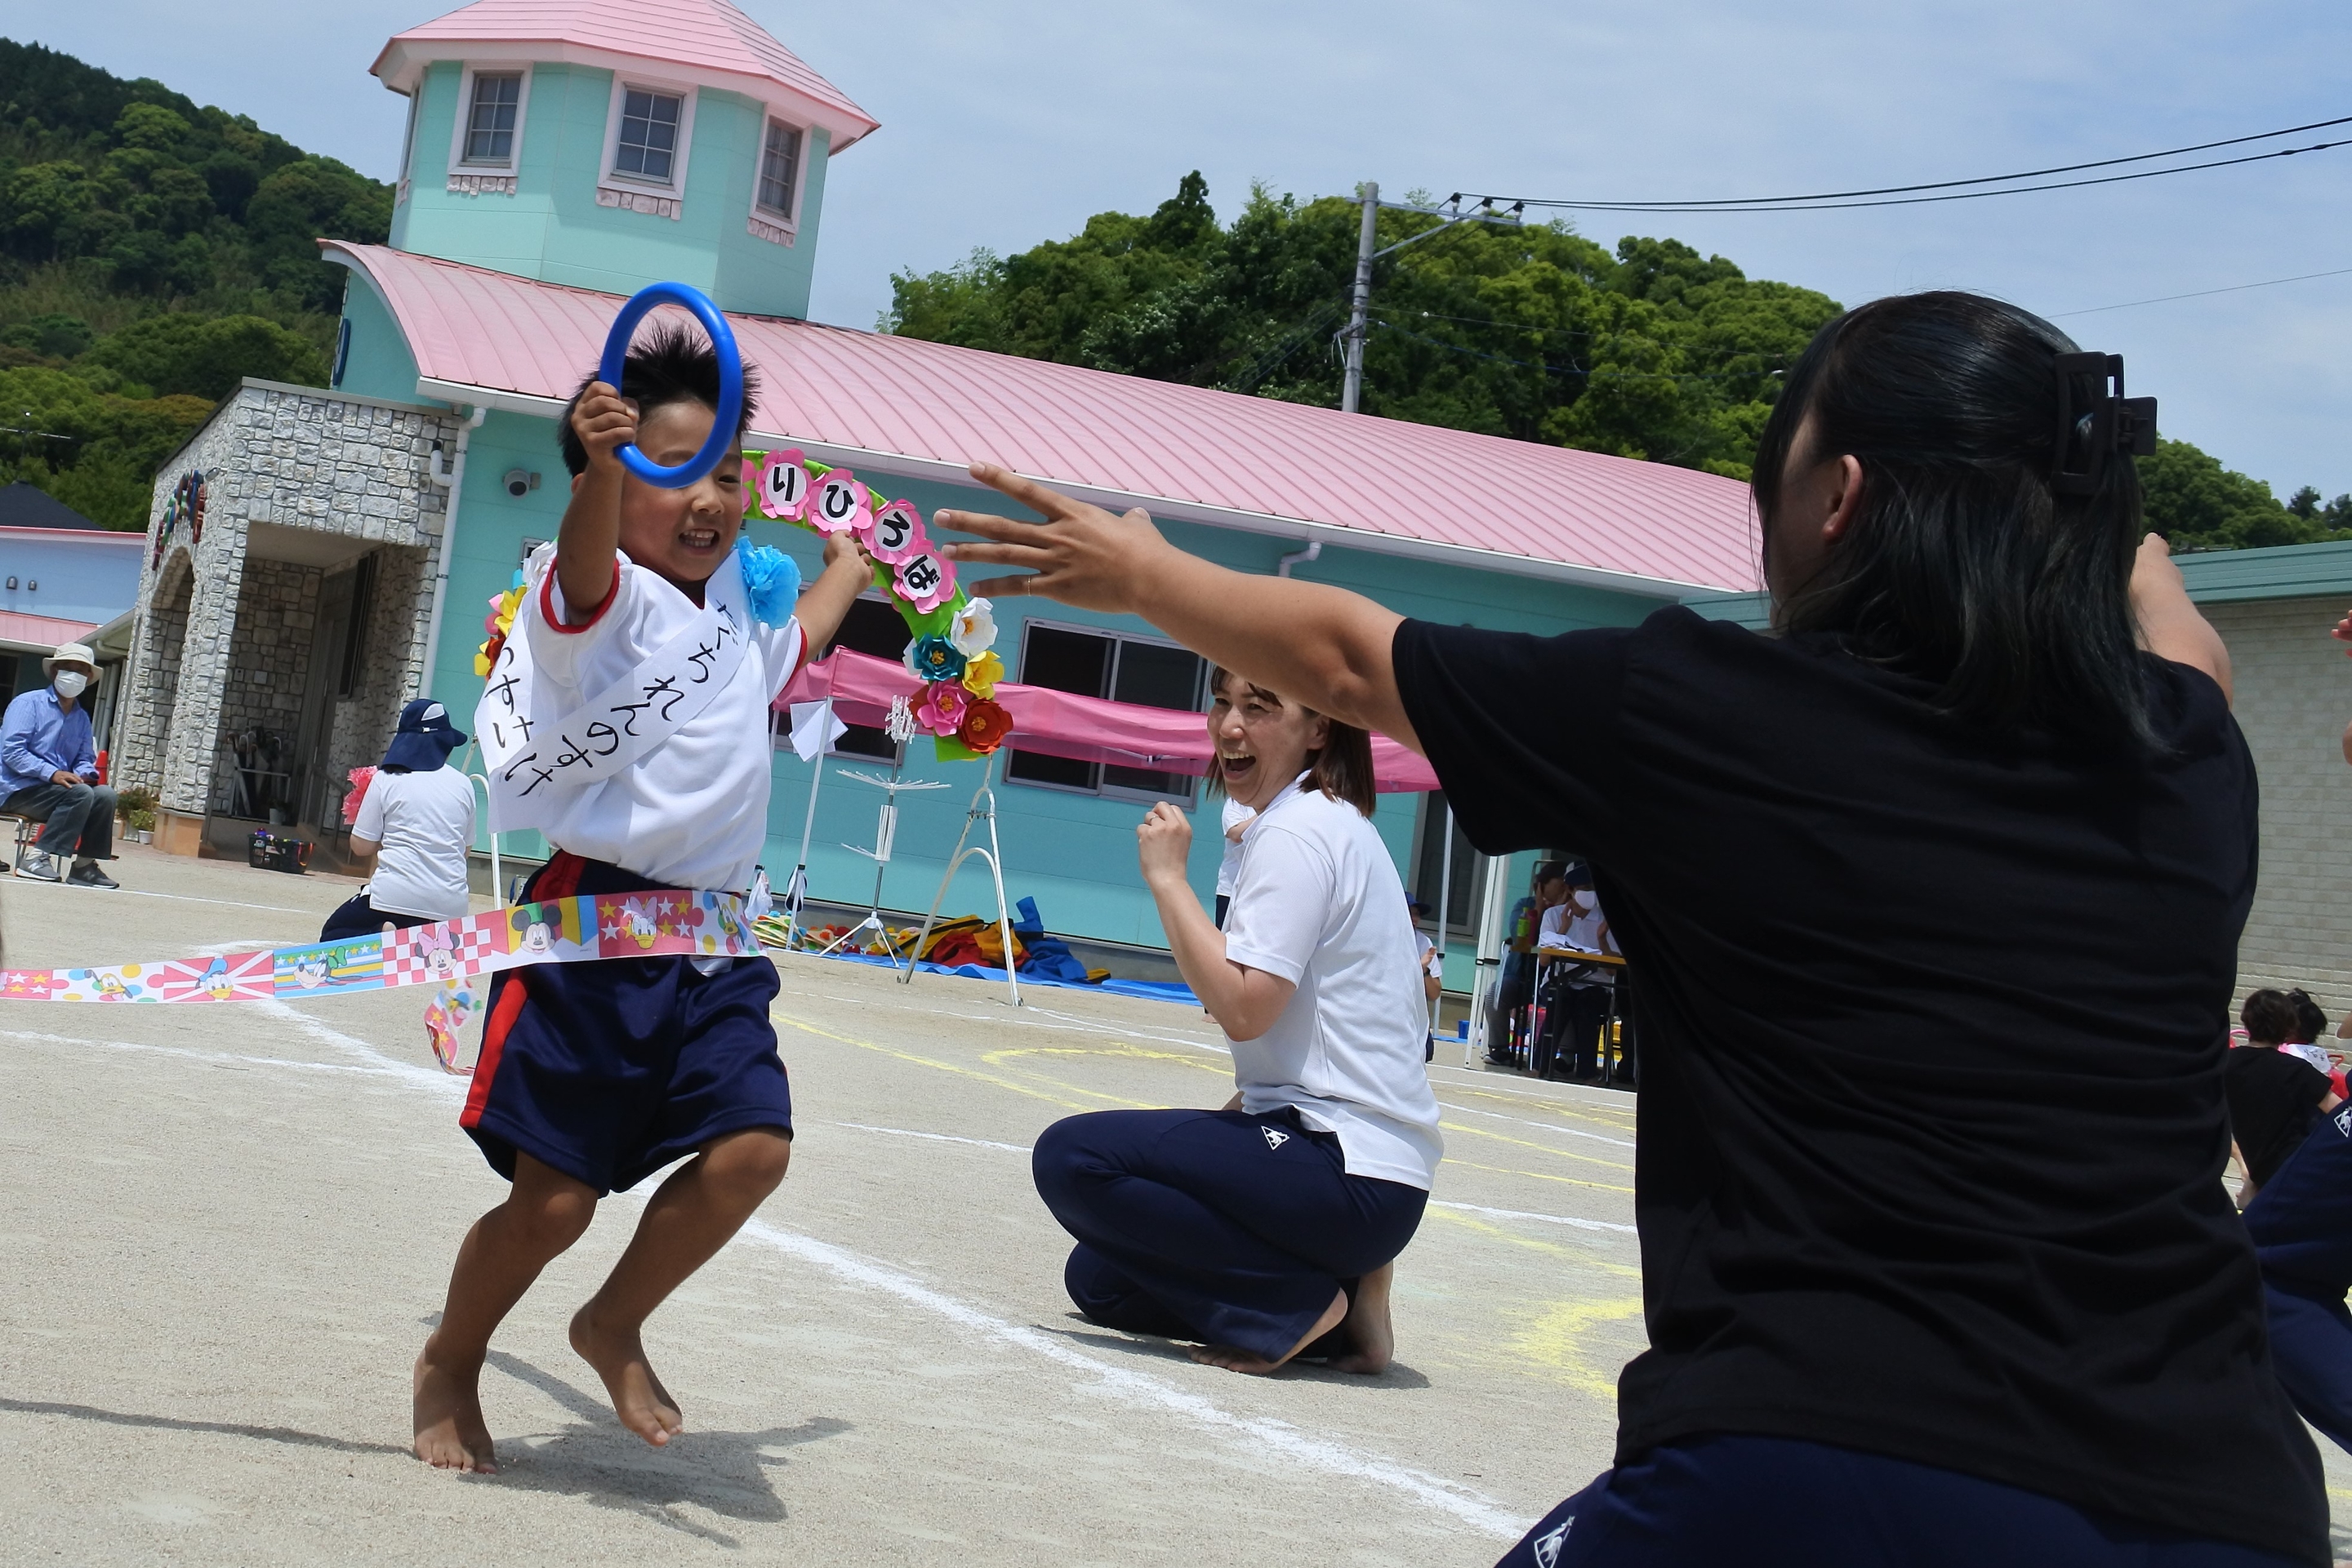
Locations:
(136, 806)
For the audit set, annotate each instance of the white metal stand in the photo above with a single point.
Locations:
(983, 809)
(886, 830)
(796, 886)
(1492, 909)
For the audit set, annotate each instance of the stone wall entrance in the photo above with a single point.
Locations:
(274, 648)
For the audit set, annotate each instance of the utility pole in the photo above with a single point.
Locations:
(1351, 389)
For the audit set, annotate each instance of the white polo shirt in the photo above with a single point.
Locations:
(1317, 902)
(1229, 867)
(692, 811)
(425, 825)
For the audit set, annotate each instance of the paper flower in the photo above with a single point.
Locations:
(985, 725)
(782, 486)
(927, 580)
(982, 674)
(900, 723)
(932, 658)
(973, 630)
(942, 707)
(839, 504)
(771, 579)
(898, 532)
(498, 623)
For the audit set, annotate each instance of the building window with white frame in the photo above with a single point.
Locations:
(492, 118)
(647, 149)
(780, 171)
(1143, 670)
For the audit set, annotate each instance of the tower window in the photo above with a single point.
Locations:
(647, 148)
(491, 119)
(780, 168)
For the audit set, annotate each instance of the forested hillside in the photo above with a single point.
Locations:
(1649, 351)
(151, 252)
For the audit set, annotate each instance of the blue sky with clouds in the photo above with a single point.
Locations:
(1007, 121)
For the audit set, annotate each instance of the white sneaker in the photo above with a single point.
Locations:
(39, 865)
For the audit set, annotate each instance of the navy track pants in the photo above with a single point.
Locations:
(1214, 1226)
(2301, 1228)
(1779, 1503)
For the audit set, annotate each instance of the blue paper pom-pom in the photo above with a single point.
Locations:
(770, 579)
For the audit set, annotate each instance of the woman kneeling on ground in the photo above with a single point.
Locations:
(1268, 1230)
(1931, 904)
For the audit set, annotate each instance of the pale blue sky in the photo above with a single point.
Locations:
(1007, 121)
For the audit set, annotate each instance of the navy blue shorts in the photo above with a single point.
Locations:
(1779, 1503)
(609, 1071)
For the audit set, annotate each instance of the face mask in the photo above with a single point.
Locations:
(71, 683)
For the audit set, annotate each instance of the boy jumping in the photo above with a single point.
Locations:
(594, 1074)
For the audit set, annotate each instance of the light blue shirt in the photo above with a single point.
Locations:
(38, 738)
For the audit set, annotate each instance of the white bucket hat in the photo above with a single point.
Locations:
(70, 653)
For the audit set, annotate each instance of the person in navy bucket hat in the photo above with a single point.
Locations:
(417, 821)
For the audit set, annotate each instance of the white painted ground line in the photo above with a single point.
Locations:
(1547, 1126)
(1546, 1218)
(1487, 1515)
(1481, 1512)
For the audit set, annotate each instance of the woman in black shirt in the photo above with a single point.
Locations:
(1931, 903)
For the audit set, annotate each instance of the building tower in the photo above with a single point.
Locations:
(609, 144)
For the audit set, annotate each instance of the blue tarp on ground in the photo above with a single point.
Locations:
(1150, 990)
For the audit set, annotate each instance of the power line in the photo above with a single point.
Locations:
(1953, 189)
(2200, 293)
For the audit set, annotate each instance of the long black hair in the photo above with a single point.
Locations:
(1962, 566)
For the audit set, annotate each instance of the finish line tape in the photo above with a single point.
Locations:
(581, 929)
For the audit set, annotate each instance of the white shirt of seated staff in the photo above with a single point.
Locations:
(1577, 925)
(1341, 1035)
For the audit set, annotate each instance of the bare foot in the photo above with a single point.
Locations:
(1367, 1324)
(1235, 1360)
(450, 1432)
(639, 1397)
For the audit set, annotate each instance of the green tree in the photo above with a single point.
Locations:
(1653, 351)
(205, 357)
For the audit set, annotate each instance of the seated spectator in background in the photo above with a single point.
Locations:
(1577, 925)
(1432, 971)
(1547, 885)
(2290, 1021)
(417, 821)
(49, 770)
(2275, 1099)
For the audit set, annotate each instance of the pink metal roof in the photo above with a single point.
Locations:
(912, 407)
(710, 35)
(43, 632)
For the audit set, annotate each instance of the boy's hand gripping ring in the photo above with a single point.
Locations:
(729, 415)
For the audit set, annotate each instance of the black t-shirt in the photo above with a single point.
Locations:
(1932, 1034)
(2273, 1102)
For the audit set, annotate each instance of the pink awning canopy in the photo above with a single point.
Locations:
(1062, 724)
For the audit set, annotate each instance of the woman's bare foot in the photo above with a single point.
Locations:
(450, 1432)
(639, 1397)
(1234, 1360)
(1367, 1324)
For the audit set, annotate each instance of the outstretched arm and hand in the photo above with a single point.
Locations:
(848, 572)
(2169, 625)
(1244, 1000)
(589, 541)
(1321, 646)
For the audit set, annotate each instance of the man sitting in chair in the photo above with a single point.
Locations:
(49, 768)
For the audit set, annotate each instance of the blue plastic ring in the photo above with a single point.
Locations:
(730, 414)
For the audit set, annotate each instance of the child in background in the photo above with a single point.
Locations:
(594, 1074)
(417, 821)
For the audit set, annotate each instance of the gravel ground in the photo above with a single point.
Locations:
(227, 1229)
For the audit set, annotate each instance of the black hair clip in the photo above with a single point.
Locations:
(2094, 422)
